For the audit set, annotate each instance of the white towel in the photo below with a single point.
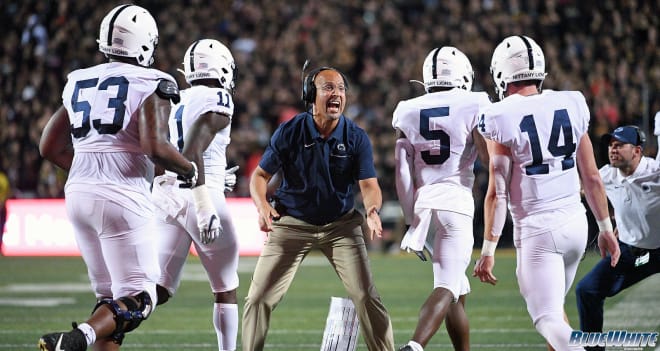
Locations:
(415, 237)
(165, 196)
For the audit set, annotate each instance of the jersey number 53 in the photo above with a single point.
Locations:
(116, 103)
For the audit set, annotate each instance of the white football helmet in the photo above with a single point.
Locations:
(447, 67)
(209, 59)
(517, 58)
(129, 31)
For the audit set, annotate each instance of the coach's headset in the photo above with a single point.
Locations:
(309, 89)
(641, 136)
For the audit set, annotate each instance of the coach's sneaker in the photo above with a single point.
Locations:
(64, 341)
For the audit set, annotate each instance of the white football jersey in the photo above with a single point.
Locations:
(657, 133)
(102, 103)
(543, 132)
(439, 126)
(196, 101)
(636, 202)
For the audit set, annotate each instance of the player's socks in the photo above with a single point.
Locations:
(88, 331)
(225, 321)
(415, 346)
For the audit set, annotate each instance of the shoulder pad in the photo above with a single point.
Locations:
(168, 90)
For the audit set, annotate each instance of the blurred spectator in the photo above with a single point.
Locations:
(4, 195)
(608, 50)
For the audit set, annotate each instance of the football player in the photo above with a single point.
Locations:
(200, 125)
(540, 142)
(436, 149)
(113, 116)
(657, 133)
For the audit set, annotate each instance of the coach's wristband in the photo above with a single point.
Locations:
(605, 225)
(488, 248)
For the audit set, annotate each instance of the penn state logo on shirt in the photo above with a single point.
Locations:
(339, 151)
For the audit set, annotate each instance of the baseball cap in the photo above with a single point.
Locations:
(626, 134)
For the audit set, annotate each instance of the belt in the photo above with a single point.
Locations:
(638, 251)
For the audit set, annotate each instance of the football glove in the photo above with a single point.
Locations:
(208, 221)
(230, 178)
(189, 180)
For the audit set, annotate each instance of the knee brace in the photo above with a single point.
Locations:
(130, 318)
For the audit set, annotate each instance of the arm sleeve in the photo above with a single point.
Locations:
(405, 188)
(502, 177)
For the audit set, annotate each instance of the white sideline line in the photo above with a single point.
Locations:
(280, 331)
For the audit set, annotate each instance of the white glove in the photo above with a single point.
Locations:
(230, 178)
(208, 221)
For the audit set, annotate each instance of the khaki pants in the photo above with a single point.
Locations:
(342, 242)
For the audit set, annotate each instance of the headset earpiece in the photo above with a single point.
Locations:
(641, 136)
(309, 89)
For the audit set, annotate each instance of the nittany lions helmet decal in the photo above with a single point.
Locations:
(129, 31)
(517, 58)
(447, 67)
(209, 59)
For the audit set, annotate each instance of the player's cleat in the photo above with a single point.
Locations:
(64, 341)
(406, 347)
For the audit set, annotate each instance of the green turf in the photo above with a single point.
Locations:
(498, 317)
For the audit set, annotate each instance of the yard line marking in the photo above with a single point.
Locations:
(194, 271)
(37, 302)
(53, 288)
(151, 346)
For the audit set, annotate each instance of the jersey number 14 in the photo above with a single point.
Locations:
(561, 124)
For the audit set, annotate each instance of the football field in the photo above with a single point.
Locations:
(39, 295)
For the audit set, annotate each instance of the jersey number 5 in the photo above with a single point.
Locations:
(425, 116)
(561, 123)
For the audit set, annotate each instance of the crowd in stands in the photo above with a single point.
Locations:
(609, 50)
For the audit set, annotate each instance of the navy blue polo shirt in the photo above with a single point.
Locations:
(318, 176)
